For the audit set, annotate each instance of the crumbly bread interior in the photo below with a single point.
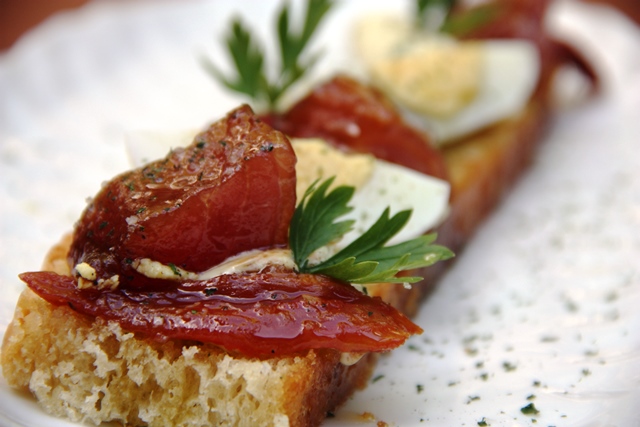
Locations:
(89, 370)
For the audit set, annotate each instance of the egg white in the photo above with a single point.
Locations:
(399, 188)
(508, 72)
(509, 77)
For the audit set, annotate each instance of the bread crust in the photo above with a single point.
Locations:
(89, 370)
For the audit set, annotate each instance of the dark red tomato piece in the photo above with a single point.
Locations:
(348, 113)
(525, 19)
(255, 314)
(231, 190)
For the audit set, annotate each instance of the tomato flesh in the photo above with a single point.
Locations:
(255, 314)
(231, 190)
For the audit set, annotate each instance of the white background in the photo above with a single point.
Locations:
(543, 304)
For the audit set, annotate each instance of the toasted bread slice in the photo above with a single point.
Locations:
(89, 370)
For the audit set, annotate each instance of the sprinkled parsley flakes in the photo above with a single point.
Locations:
(508, 366)
(473, 399)
(377, 378)
(174, 269)
(530, 409)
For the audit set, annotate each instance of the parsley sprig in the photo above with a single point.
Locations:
(248, 57)
(424, 7)
(366, 259)
(456, 23)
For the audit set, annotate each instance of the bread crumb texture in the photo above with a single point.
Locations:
(92, 371)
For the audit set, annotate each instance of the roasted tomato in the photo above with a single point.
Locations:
(231, 190)
(525, 19)
(348, 113)
(255, 314)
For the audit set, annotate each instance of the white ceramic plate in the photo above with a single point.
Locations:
(541, 308)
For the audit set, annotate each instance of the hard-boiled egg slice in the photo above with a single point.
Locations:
(447, 87)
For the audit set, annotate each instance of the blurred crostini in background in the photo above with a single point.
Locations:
(18, 16)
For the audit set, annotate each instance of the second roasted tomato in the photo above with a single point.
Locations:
(348, 113)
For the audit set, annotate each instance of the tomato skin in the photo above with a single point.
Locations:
(254, 314)
(231, 190)
(346, 112)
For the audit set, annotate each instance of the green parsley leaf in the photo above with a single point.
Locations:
(248, 58)
(174, 269)
(442, 16)
(312, 225)
(426, 7)
(366, 259)
(463, 23)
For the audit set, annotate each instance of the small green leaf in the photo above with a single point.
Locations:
(455, 22)
(366, 259)
(174, 269)
(424, 8)
(463, 23)
(348, 270)
(313, 224)
(248, 60)
(250, 77)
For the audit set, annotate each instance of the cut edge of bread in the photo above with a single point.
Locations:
(90, 370)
